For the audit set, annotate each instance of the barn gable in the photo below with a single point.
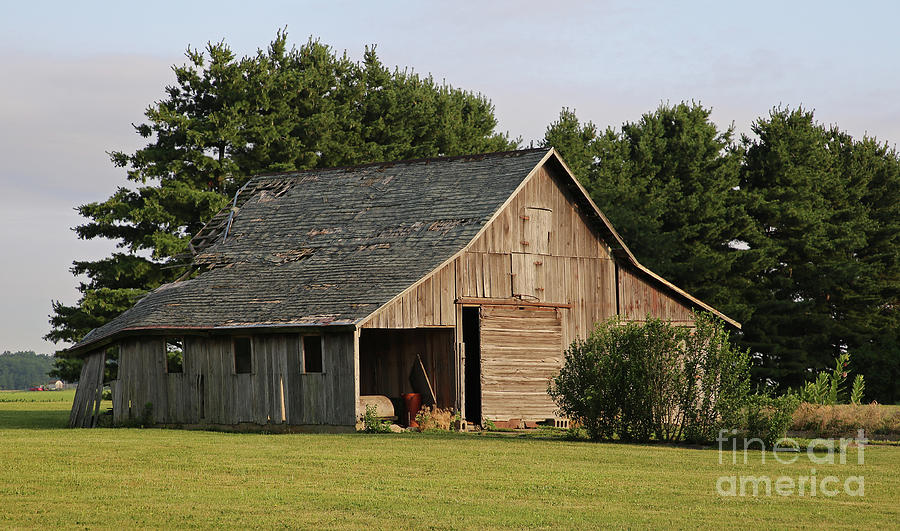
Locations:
(582, 262)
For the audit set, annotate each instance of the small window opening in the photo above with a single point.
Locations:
(242, 359)
(111, 371)
(312, 353)
(174, 355)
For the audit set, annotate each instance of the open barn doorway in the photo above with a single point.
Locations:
(388, 357)
(471, 332)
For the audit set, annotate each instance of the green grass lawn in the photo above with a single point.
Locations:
(52, 476)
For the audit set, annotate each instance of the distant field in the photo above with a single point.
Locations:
(38, 396)
(50, 476)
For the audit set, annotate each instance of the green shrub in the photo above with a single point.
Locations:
(653, 379)
(816, 391)
(768, 418)
(603, 382)
(372, 423)
(722, 376)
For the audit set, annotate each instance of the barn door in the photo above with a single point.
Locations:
(537, 223)
(521, 349)
(528, 278)
(527, 266)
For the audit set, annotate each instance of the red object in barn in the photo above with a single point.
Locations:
(413, 403)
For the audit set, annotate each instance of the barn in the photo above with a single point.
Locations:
(315, 288)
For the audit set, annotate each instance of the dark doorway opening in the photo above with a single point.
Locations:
(387, 357)
(471, 331)
(201, 391)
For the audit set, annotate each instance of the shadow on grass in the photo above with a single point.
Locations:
(23, 419)
(515, 436)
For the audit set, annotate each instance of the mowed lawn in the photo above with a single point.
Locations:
(51, 476)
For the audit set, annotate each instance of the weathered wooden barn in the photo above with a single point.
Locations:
(317, 287)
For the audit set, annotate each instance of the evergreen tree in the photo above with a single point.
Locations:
(226, 119)
(576, 142)
(786, 174)
(827, 207)
(795, 232)
(668, 184)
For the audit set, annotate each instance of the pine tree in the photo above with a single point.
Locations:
(786, 174)
(668, 184)
(576, 142)
(795, 232)
(827, 209)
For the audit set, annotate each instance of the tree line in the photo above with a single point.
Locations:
(793, 231)
(24, 369)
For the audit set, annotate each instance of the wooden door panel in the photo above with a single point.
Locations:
(521, 349)
(537, 230)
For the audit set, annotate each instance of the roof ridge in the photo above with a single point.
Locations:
(405, 161)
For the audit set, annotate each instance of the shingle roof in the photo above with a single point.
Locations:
(329, 246)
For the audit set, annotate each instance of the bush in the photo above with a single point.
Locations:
(642, 380)
(816, 391)
(768, 418)
(372, 423)
(722, 376)
(599, 385)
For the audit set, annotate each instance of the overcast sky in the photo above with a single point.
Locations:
(75, 75)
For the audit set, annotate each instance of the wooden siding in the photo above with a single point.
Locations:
(428, 303)
(86, 406)
(521, 349)
(572, 266)
(209, 391)
(484, 275)
(142, 380)
(638, 298)
(569, 233)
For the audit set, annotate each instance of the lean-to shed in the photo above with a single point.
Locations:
(317, 287)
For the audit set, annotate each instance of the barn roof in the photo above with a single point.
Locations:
(328, 247)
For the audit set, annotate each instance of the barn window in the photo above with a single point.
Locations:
(174, 355)
(242, 355)
(312, 354)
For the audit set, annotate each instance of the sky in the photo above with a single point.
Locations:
(74, 76)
